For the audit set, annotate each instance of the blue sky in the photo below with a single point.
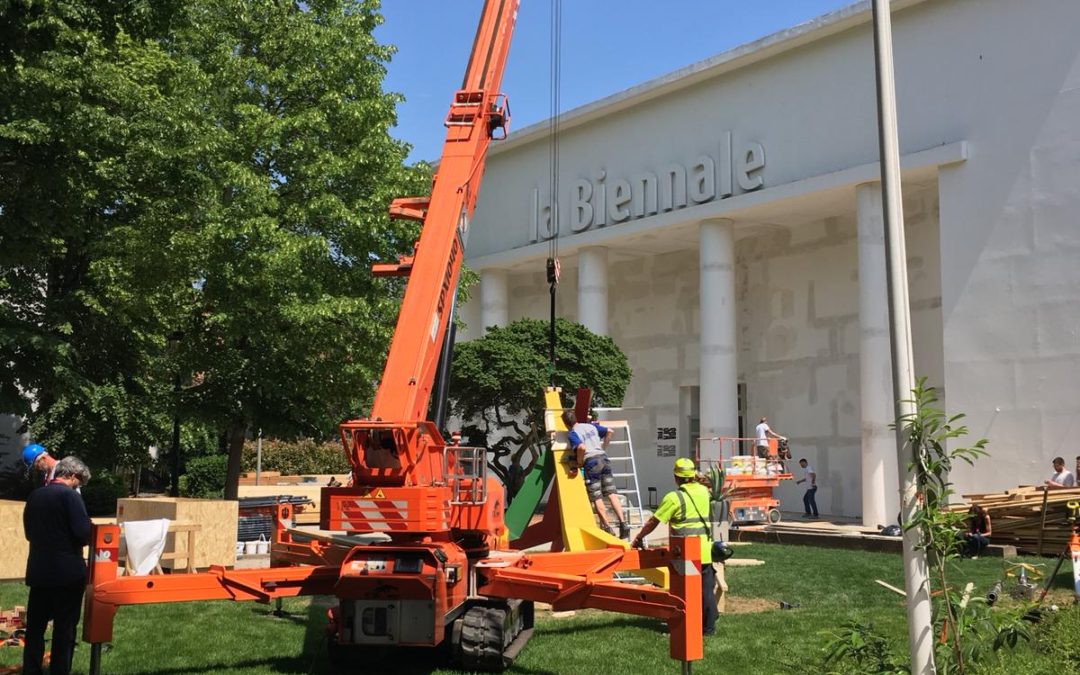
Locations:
(607, 46)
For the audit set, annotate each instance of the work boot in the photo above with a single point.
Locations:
(607, 528)
(624, 531)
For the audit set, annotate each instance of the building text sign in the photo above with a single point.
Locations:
(604, 200)
(667, 439)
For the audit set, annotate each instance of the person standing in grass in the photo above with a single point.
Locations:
(809, 499)
(57, 528)
(684, 510)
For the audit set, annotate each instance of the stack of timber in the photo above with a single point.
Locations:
(1017, 518)
(308, 487)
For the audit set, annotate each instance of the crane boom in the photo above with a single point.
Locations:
(476, 114)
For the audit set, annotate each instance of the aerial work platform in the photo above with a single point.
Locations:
(748, 477)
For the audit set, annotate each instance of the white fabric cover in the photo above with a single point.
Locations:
(145, 542)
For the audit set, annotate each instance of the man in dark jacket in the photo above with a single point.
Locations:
(57, 528)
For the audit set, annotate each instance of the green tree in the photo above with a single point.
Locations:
(497, 386)
(283, 323)
(219, 169)
(93, 163)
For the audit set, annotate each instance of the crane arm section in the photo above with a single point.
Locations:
(477, 114)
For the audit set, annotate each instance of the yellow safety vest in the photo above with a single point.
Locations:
(692, 517)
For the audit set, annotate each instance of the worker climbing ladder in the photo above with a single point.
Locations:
(620, 450)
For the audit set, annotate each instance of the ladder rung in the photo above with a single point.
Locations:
(620, 459)
(622, 475)
(618, 442)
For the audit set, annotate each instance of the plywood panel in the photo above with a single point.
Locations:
(13, 545)
(215, 543)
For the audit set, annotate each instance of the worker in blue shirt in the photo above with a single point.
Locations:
(588, 441)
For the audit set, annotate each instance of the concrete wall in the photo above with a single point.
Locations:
(994, 249)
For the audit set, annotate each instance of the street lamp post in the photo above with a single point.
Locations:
(174, 485)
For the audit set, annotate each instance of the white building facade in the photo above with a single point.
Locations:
(723, 225)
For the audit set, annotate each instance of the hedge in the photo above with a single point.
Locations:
(101, 493)
(295, 458)
(205, 477)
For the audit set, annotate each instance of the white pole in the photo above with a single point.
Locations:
(916, 581)
(258, 457)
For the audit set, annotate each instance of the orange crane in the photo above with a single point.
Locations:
(445, 574)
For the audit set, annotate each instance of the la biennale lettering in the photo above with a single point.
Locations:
(603, 200)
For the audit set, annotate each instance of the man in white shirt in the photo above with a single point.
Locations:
(764, 433)
(1060, 478)
(809, 499)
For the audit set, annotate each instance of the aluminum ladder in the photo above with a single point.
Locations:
(620, 451)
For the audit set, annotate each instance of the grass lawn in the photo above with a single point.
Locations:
(829, 586)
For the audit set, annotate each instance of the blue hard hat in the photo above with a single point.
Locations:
(31, 452)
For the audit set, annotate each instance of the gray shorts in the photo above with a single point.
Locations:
(598, 477)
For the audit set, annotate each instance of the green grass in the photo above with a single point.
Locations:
(830, 586)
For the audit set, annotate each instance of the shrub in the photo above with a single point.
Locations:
(205, 477)
(101, 493)
(300, 457)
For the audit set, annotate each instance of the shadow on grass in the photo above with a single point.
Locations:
(311, 659)
(1064, 578)
(644, 623)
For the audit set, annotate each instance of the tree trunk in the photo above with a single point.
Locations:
(237, 434)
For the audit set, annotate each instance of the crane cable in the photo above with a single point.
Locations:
(553, 267)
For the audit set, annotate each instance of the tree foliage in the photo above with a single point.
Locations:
(497, 386)
(214, 169)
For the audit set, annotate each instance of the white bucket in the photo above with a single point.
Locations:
(262, 547)
(239, 548)
(250, 547)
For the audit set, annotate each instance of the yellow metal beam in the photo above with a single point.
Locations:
(579, 529)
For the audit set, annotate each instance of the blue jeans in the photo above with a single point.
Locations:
(809, 501)
(975, 543)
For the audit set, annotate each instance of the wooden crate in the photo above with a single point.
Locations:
(215, 544)
(15, 548)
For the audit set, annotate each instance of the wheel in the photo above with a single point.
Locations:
(489, 637)
(482, 642)
(774, 516)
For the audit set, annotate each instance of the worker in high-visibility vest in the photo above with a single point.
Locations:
(686, 510)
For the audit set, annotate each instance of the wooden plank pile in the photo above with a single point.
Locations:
(1016, 517)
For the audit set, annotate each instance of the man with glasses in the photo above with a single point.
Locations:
(57, 528)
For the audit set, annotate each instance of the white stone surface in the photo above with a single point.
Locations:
(989, 98)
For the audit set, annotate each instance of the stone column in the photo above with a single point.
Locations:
(494, 294)
(719, 363)
(593, 289)
(880, 480)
